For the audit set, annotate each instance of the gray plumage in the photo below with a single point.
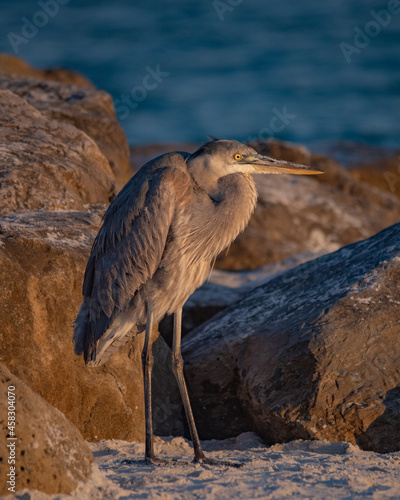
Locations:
(160, 238)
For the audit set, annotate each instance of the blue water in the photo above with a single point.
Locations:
(229, 75)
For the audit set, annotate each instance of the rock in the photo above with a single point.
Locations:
(50, 454)
(87, 109)
(384, 174)
(297, 214)
(16, 66)
(42, 261)
(312, 353)
(45, 164)
(376, 166)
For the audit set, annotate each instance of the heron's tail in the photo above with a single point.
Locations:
(114, 337)
(83, 338)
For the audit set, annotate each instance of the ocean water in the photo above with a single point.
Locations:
(181, 70)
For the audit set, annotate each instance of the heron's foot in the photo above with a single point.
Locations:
(153, 460)
(202, 459)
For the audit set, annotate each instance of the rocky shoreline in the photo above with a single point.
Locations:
(302, 333)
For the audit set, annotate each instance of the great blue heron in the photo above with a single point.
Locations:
(158, 242)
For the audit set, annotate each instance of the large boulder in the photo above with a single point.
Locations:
(312, 353)
(43, 450)
(42, 261)
(46, 164)
(87, 109)
(16, 66)
(384, 173)
(374, 165)
(297, 214)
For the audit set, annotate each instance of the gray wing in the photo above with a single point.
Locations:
(126, 252)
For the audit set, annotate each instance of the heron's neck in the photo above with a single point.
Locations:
(205, 176)
(237, 197)
(210, 186)
(216, 224)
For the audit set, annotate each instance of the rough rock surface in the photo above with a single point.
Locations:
(87, 109)
(42, 261)
(297, 214)
(311, 354)
(384, 173)
(45, 164)
(50, 453)
(16, 66)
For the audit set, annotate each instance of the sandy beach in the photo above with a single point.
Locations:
(299, 469)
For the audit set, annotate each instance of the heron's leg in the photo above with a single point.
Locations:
(177, 367)
(147, 363)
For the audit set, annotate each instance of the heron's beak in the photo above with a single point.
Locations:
(267, 165)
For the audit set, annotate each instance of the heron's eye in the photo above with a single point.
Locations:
(237, 156)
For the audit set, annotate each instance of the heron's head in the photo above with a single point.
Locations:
(218, 158)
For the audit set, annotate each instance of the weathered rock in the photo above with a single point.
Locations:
(42, 261)
(87, 109)
(45, 164)
(311, 354)
(384, 174)
(374, 165)
(298, 214)
(49, 452)
(16, 66)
